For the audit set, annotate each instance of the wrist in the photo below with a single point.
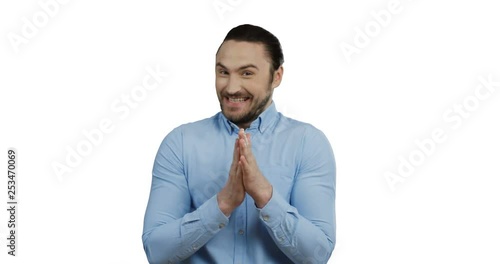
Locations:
(224, 206)
(264, 197)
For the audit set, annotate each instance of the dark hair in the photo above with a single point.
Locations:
(256, 34)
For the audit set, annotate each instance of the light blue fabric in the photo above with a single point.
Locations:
(183, 223)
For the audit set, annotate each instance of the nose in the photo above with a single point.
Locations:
(233, 85)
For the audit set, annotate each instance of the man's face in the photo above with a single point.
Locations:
(243, 81)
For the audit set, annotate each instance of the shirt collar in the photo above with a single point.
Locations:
(265, 120)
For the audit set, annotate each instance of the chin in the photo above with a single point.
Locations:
(234, 118)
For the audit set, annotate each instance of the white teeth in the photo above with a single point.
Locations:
(237, 100)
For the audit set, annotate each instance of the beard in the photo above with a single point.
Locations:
(252, 114)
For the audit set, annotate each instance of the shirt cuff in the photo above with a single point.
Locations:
(274, 212)
(211, 216)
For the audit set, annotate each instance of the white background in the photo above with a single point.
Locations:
(394, 91)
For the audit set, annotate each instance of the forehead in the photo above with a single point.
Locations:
(236, 53)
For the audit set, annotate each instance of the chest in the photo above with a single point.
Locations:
(207, 164)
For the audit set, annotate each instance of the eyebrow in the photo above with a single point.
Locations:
(240, 68)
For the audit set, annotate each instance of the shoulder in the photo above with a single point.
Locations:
(287, 125)
(194, 129)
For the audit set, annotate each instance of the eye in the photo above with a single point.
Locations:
(247, 73)
(223, 72)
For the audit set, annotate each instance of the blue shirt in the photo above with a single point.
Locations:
(183, 222)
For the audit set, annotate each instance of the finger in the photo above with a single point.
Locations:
(241, 140)
(245, 167)
(236, 152)
(242, 135)
(236, 156)
(242, 145)
(246, 150)
(239, 170)
(248, 140)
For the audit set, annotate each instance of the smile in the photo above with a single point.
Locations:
(238, 100)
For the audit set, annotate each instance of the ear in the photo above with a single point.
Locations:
(277, 76)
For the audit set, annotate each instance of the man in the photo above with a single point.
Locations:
(247, 185)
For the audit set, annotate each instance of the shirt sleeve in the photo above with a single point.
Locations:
(304, 227)
(173, 231)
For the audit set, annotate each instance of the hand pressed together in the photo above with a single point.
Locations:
(244, 177)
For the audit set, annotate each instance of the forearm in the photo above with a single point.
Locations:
(177, 240)
(299, 238)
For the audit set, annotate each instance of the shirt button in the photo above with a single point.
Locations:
(266, 218)
(241, 232)
(221, 225)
